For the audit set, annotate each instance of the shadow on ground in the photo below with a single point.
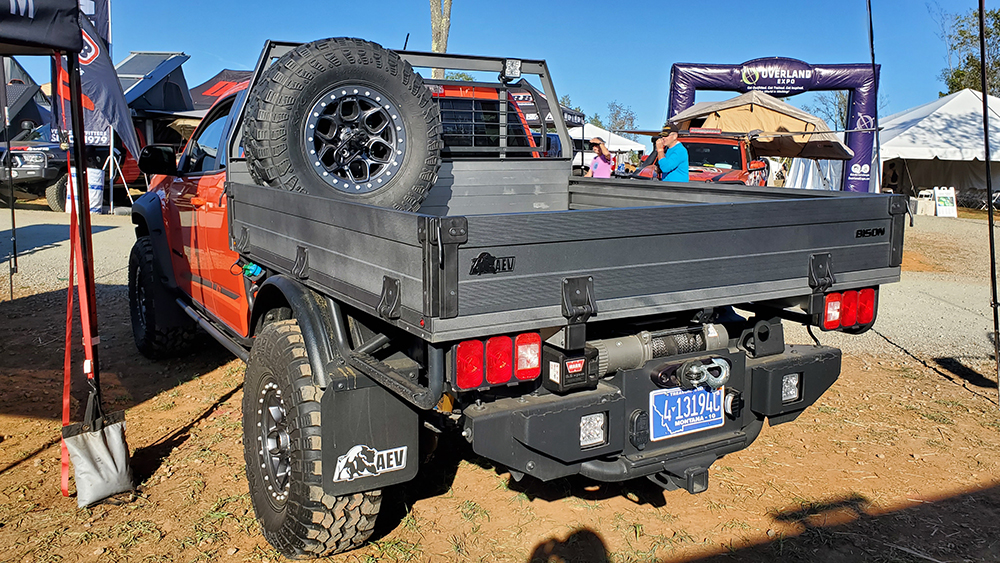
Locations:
(965, 527)
(32, 344)
(33, 238)
(955, 367)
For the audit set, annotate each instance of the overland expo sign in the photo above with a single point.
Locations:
(783, 78)
(780, 76)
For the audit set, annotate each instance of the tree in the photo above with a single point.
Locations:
(567, 103)
(832, 106)
(440, 26)
(621, 118)
(960, 32)
(456, 75)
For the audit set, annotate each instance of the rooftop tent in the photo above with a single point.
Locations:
(759, 111)
(940, 143)
(157, 93)
(205, 94)
(154, 81)
(615, 143)
(24, 109)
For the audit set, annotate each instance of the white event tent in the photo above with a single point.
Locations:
(940, 143)
(615, 143)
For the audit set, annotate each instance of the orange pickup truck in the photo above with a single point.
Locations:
(725, 158)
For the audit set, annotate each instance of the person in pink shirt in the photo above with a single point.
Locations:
(601, 166)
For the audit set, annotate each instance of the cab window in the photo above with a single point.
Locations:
(203, 149)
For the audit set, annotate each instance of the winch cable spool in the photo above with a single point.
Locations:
(632, 352)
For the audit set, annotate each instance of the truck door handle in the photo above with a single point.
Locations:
(198, 201)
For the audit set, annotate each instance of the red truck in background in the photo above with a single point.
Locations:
(724, 158)
(717, 157)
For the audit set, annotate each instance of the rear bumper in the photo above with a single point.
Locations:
(539, 435)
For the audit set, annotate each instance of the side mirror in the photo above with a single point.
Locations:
(158, 159)
(757, 165)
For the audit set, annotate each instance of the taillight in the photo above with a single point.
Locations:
(528, 348)
(499, 358)
(469, 364)
(849, 309)
(499, 361)
(866, 306)
(831, 311)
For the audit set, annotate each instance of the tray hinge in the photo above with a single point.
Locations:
(578, 305)
(242, 244)
(300, 268)
(388, 304)
(821, 276)
(441, 237)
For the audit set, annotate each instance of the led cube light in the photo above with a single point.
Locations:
(790, 387)
(592, 430)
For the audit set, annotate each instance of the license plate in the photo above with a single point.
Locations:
(676, 412)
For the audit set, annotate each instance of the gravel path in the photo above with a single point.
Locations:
(43, 251)
(930, 314)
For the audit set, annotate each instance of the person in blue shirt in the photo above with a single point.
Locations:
(671, 156)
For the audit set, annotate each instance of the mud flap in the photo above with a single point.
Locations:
(370, 440)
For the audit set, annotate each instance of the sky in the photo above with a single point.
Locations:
(597, 52)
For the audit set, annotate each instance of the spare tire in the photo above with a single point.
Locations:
(344, 118)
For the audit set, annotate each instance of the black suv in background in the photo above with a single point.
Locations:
(39, 167)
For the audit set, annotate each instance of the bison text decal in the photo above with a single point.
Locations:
(365, 461)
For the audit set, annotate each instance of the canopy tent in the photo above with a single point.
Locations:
(775, 119)
(47, 27)
(533, 103)
(205, 94)
(940, 143)
(615, 143)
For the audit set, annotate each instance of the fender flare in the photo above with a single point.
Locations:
(147, 216)
(279, 290)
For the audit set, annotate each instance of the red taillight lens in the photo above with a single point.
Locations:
(849, 309)
(469, 364)
(831, 311)
(866, 306)
(499, 360)
(528, 355)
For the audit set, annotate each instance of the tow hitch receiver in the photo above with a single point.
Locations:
(694, 480)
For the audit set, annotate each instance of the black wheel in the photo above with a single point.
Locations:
(55, 194)
(153, 340)
(281, 445)
(344, 118)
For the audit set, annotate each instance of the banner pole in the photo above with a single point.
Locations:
(989, 192)
(88, 296)
(9, 165)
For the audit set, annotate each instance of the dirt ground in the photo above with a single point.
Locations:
(897, 462)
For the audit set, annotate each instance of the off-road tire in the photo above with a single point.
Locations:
(283, 107)
(151, 338)
(55, 194)
(286, 480)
